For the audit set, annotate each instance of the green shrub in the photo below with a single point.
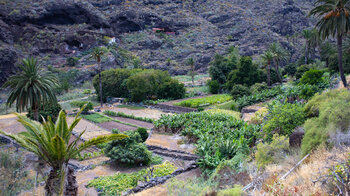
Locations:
(289, 69)
(80, 104)
(283, 118)
(273, 152)
(87, 91)
(143, 133)
(72, 61)
(235, 191)
(114, 82)
(50, 109)
(258, 87)
(239, 91)
(129, 151)
(221, 66)
(312, 77)
(247, 74)
(154, 84)
(330, 112)
(301, 70)
(214, 86)
(171, 89)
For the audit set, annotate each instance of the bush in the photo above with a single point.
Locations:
(87, 91)
(239, 91)
(247, 74)
(80, 104)
(301, 70)
(289, 69)
(312, 77)
(283, 118)
(143, 133)
(273, 152)
(330, 112)
(171, 90)
(129, 151)
(114, 82)
(221, 66)
(258, 87)
(154, 84)
(259, 116)
(214, 86)
(72, 61)
(50, 109)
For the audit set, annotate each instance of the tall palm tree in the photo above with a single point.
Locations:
(97, 54)
(190, 62)
(51, 143)
(327, 50)
(268, 58)
(307, 35)
(334, 20)
(31, 87)
(280, 56)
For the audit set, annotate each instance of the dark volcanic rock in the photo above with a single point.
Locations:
(8, 59)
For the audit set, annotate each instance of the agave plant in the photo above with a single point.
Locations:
(51, 143)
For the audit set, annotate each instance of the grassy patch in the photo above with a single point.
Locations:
(96, 118)
(188, 78)
(205, 101)
(121, 114)
(116, 184)
(227, 105)
(131, 107)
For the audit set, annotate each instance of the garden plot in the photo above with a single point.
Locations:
(91, 130)
(135, 122)
(10, 124)
(146, 113)
(172, 142)
(115, 125)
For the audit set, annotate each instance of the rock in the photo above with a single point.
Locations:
(8, 59)
(296, 138)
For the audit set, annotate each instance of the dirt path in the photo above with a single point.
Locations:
(135, 122)
(114, 125)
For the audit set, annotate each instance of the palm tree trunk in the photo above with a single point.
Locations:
(100, 81)
(192, 74)
(306, 53)
(340, 59)
(269, 73)
(35, 109)
(53, 183)
(277, 71)
(71, 185)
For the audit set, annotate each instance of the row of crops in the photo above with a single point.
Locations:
(205, 101)
(217, 136)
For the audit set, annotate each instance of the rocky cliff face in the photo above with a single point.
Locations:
(55, 30)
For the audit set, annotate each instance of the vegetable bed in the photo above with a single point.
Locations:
(205, 101)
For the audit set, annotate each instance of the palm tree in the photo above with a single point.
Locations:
(268, 57)
(190, 62)
(31, 87)
(97, 54)
(334, 20)
(51, 143)
(327, 50)
(280, 55)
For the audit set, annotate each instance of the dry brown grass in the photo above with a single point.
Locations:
(305, 179)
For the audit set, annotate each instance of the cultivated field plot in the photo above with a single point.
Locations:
(146, 113)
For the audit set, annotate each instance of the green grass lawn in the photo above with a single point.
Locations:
(96, 118)
(205, 101)
(188, 78)
(131, 107)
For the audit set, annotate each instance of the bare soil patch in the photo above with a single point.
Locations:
(167, 141)
(114, 125)
(11, 125)
(147, 113)
(135, 122)
(91, 130)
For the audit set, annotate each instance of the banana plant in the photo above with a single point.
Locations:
(52, 143)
